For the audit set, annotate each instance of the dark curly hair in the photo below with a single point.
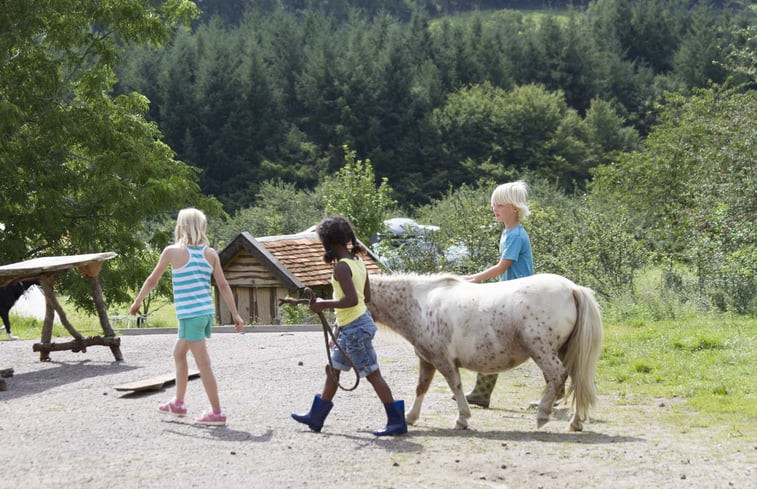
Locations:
(337, 230)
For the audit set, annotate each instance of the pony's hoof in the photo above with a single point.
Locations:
(541, 421)
(576, 427)
(461, 426)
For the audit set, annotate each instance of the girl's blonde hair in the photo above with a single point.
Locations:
(190, 228)
(515, 193)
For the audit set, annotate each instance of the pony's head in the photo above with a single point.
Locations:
(395, 298)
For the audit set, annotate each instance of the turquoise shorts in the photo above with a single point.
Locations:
(196, 328)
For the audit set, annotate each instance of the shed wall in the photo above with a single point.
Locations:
(256, 305)
(244, 269)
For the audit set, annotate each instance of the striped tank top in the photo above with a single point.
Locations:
(192, 295)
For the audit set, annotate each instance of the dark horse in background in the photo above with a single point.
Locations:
(8, 297)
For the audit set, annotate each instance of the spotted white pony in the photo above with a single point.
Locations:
(494, 327)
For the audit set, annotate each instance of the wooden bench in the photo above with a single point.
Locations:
(44, 270)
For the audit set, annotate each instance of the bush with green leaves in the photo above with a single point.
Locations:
(83, 169)
(410, 254)
(691, 191)
(592, 246)
(352, 193)
(465, 222)
(489, 131)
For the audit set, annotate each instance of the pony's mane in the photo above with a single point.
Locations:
(418, 277)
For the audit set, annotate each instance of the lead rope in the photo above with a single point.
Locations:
(327, 331)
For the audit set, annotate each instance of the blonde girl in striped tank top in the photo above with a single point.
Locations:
(192, 263)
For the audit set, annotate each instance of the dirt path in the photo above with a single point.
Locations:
(64, 425)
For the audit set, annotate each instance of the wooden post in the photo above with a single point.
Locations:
(78, 345)
(51, 307)
(97, 296)
(46, 283)
(52, 301)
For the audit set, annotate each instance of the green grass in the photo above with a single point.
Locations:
(706, 361)
(162, 315)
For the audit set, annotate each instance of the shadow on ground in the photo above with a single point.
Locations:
(54, 374)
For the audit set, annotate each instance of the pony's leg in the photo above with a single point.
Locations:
(555, 374)
(6, 322)
(560, 392)
(425, 375)
(576, 423)
(452, 376)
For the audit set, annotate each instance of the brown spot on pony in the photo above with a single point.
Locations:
(453, 323)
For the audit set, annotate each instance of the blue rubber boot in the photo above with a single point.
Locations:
(395, 419)
(318, 412)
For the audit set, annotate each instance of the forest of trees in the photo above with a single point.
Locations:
(632, 121)
(432, 102)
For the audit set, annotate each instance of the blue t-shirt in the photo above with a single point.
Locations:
(515, 245)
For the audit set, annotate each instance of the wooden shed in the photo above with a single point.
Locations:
(263, 270)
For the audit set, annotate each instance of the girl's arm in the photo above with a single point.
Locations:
(367, 289)
(152, 280)
(343, 275)
(223, 287)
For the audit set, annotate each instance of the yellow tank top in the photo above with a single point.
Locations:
(359, 276)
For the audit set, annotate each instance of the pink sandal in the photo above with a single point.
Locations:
(171, 408)
(211, 419)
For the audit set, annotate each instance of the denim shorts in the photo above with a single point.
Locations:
(196, 328)
(356, 338)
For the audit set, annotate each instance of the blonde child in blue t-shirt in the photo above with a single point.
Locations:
(356, 328)
(509, 204)
(192, 264)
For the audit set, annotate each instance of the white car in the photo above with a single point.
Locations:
(402, 226)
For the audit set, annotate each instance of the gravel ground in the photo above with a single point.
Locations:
(65, 426)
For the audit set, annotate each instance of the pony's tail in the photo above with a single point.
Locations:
(582, 352)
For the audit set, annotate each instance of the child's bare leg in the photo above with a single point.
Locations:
(331, 384)
(180, 350)
(202, 359)
(381, 387)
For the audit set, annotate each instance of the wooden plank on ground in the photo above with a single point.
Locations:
(153, 383)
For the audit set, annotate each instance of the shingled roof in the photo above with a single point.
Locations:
(296, 260)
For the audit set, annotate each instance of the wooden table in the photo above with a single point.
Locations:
(44, 270)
